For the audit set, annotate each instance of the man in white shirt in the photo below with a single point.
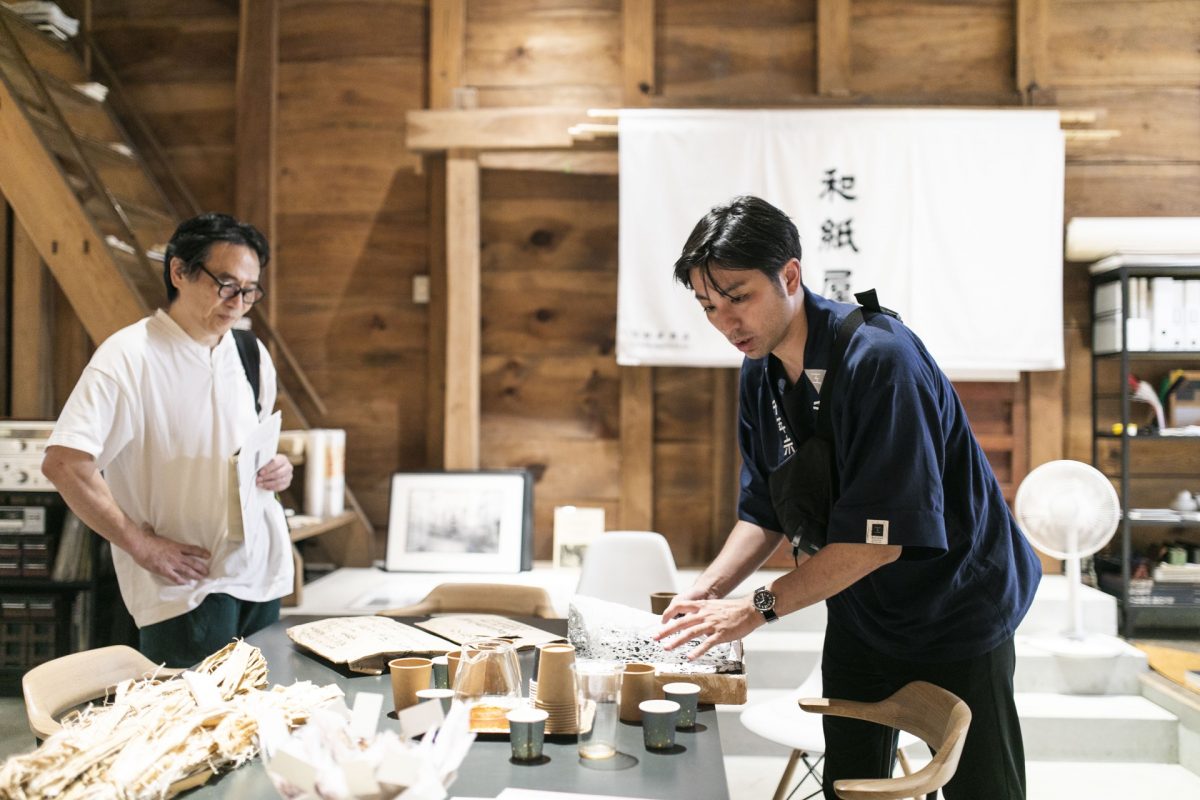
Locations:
(141, 452)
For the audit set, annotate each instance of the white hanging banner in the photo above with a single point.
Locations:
(954, 216)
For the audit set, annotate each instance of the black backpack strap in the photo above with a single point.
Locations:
(247, 345)
(869, 303)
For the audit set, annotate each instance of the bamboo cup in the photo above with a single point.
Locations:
(638, 685)
(409, 675)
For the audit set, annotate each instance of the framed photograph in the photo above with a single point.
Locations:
(461, 522)
(575, 527)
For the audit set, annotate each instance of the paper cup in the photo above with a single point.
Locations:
(408, 676)
(637, 686)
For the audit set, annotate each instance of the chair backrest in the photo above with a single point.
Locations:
(480, 598)
(936, 716)
(626, 567)
(59, 685)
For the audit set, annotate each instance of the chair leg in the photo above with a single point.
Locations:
(781, 791)
(907, 770)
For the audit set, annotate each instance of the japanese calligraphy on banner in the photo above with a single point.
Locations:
(954, 216)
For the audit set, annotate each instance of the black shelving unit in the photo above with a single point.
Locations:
(40, 618)
(1138, 607)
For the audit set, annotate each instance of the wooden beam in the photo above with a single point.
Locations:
(833, 48)
(435, 383)
(1046, 418)
(491, 128)
(574, 162)
(32, 323)
(447, 45)
(1032, 73)
(636, 509)
(254, 134)
(71, 350)
(462, 311)
(724, 459)
(637, 22)
(98, 289)
(5, 305)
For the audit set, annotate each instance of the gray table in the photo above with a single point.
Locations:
(695, 769)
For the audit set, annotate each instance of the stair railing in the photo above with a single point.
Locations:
(85, 163)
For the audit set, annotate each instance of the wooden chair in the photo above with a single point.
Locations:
(57, 686)
(481, 598)
(929, 712)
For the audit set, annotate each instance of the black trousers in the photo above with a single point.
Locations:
(186, 640)
(992, 766)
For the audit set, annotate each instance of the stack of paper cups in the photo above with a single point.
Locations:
(325, 472)
(335, 472)
(314, 473)
(554, 691)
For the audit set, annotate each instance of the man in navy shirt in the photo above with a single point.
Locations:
(923, 569)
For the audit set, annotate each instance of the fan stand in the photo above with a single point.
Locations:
(1075, 641)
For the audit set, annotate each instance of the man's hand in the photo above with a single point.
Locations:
(672, 611)
(714, 621)
(178, 563)
(275, 475)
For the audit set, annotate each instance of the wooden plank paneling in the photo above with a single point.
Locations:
(70, 348)
(833, 47)
(715, 51)
(1124, 42)
(576, 397)
(435, 389)
(1032, 66)
(356, 30)
(1156, 124)
(637, 52)
(462, 311)
(543, 222)
(447, 50)
(1045, 435)
(6, 331)
(726, 460)
(33, 321)
(683, 506)
(551, 313)
(254, 138)
(936, 49)
(529, 43)
(637, 449)
(1132, 190)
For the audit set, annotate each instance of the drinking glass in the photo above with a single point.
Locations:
(488, 681)
(598, 689)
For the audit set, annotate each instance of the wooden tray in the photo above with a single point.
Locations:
(589, 713)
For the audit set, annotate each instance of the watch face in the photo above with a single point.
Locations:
(764, 600)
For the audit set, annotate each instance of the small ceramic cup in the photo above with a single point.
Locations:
(527, 732)
(658, 723)
(687, 695)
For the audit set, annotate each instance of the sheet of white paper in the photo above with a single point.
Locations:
(259, 447)
(417, 719)
(538, 794)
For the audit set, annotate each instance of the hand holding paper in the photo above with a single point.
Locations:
(248, 502)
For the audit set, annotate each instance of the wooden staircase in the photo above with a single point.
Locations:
(100, 217)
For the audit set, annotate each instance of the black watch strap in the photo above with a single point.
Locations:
(764, 602)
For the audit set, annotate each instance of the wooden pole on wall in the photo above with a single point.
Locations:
(636, 504)
(637, 22)
(447, 40)
(462, 310)
(254, 134)
(31, 315)
(5, 305)
(833, 48)
(1031, 47)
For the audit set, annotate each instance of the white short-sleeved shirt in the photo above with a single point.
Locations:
(162, 414)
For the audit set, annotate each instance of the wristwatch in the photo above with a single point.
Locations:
(764, 602)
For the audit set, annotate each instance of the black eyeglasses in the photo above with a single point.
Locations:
(227, 290)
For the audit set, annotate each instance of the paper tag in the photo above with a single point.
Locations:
(360, 778)
(402, 768)
(417, 719)
(364, 718)
(877, 531)
(293, 769)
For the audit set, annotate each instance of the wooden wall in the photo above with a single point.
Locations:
(354, 208)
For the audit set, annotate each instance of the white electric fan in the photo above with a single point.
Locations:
(1068, 510)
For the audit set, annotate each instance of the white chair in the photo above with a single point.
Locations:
(626, 567)
(782, 721)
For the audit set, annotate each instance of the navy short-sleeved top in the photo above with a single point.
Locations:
(909, 470)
